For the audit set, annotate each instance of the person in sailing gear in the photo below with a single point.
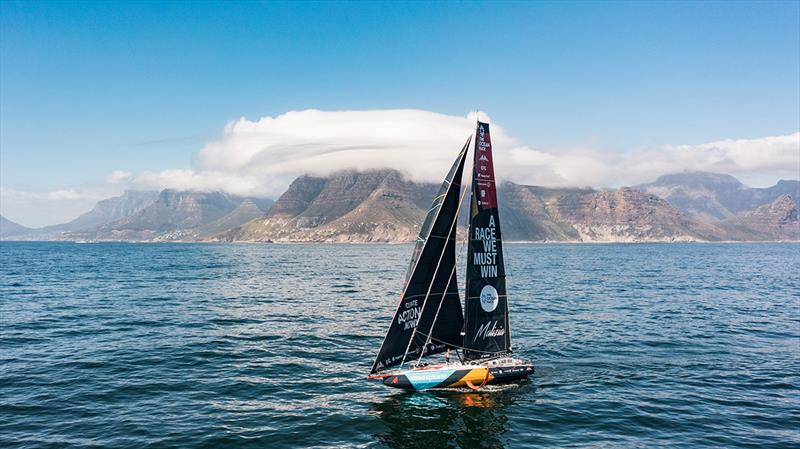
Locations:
(447, 357)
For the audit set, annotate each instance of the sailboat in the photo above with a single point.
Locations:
(429, 319)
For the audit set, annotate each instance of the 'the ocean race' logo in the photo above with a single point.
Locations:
(489, 298)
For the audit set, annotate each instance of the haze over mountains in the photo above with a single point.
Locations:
(712, 196)
(9, 228)
(168, 215)
(107, 211)
(383, 206)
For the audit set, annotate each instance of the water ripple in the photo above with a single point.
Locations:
(120, 345)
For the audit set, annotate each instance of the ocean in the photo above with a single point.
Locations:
(268, 345)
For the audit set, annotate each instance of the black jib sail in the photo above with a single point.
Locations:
(431, 291)
(486, 304)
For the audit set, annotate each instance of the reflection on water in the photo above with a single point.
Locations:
(448, 418)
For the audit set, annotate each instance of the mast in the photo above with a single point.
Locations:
(486, 329)
(431, 288)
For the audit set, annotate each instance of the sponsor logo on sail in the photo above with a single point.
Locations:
(489, 330)
(408, 318)
(482, 144)
(489, 298)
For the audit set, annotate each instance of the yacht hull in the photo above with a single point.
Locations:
(455, 376)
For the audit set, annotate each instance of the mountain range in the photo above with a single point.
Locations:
(169, 215)
(712, 197)
(9, 228)
(369, 206)
(383, 206)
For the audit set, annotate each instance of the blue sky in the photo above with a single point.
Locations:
(89, 88)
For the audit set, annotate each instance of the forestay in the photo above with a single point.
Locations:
(431, 285)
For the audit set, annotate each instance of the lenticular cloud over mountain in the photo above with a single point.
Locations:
(262, 157)
(323, 141)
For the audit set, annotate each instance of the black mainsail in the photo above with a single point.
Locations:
(429, 318)
(486, 329)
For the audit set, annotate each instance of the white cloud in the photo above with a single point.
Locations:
(118, 176)
(239, 183)
(36, 209)
(756, 161)
(262, 157)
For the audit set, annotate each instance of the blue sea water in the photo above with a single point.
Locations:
(267, 346)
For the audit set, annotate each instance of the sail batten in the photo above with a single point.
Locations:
(486, 327)
(431, 288)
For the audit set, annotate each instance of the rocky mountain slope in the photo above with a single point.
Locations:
(9, 228)
(373, 206)
(775, 221)
(178, 216)
(626, 215)
(105, 211)
(711, 196)
(529, 213)
(382, 206)
(108, 210)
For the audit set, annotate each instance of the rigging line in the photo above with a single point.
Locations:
(437, 199)
(461, 248)
(425, 240)
(453, 227)
(436, 316)
(427, 295)
(422, 295)
(436, 271)
(468, 241)
(478, 297)
(443, 238)
(463, 347)
(407, 283)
